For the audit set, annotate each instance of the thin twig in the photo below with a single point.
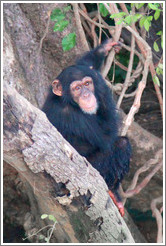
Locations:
(142, 185)
(121, 65)
(82, 5)
(79, 27)
(140, 39)
(145, 181)
(160, 61)
(95, 39)
(137, 102)
(118, 28)
(135, 51)
(137, 72)
(100, 29)
(35, 233)
(112, 30)
(86, 27)
(123, 7)
(156, 213)
(52, 230)
(132, 94)
(158, 92)
(152, 69)
(113, 75)
(129, 71)
(112, 8)
(46, 31)
(127, 79)
(94, 22)
(117, 88)
(144, 168)
(135, 75)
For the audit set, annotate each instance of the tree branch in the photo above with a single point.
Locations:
(158, 217)
(112, 8)
(79, 26)
(129, 71)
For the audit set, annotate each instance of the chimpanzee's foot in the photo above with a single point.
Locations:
(118, 204)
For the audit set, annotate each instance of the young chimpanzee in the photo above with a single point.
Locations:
(81, 107)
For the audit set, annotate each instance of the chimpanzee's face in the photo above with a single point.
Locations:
(77, 83)
(82, 92)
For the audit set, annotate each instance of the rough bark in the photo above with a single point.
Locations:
(32, 145)
(25, 25)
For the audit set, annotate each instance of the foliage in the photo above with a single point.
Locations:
(50, 217)
(49, 232)
(156, 80)
(145, 21)
(69, 41)
(104, 12)
(159, 69)
(59, 17)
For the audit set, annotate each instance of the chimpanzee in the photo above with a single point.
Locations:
(80, 105)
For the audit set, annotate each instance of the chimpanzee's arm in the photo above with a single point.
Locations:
(94, 58)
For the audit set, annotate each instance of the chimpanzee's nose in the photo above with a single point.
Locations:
(86, 94)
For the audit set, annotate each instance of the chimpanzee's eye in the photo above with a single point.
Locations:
(77, 88)
(87, 83)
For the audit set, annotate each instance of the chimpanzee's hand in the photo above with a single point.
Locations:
(112, 44)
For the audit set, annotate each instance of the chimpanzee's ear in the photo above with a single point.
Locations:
(57, 87)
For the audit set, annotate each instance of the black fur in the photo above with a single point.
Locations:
(93, 136)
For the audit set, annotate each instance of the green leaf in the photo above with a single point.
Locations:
(147, 25)
(60, 25)
(44, 216)
(121, 14)
(149, 18)
(128, 19)
(159, 33)
(57, 15)
(104, 12)
(119, 22)
(51, 217)
(113, 16)
(159, 71)
(67, 8)
(160, 65)
(140, 5)
(69, 41)
(118, 15)
(136, 17)
(162, 43)
(152, 6)
(155, 47)
(157, 14)
(142, 20)
(156, 80)
(41, 237)
(46, 239)
(137, 5)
